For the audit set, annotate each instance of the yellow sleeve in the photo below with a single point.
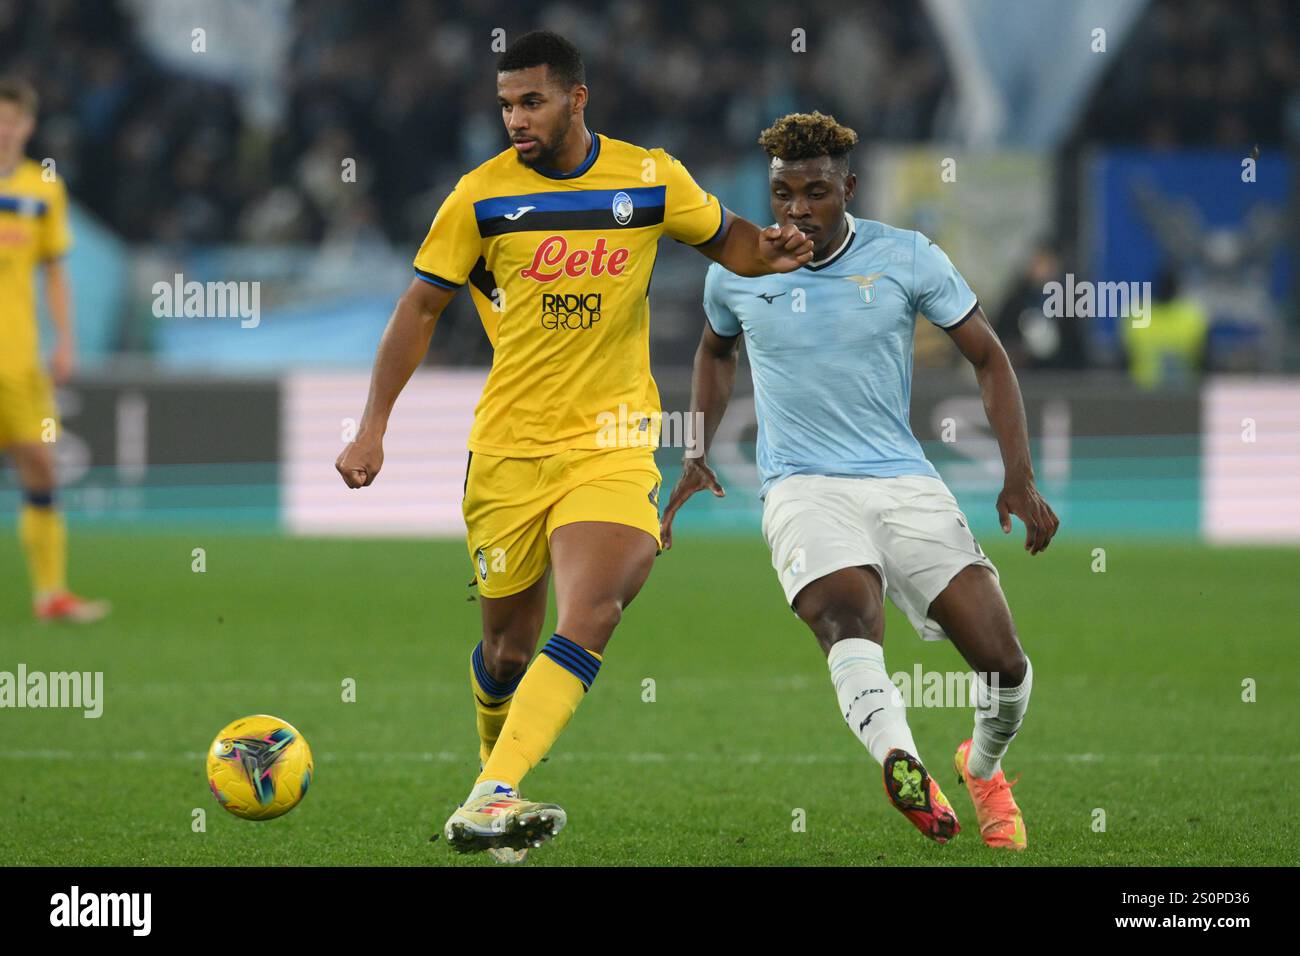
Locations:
(691, 215)
(453, 244)
(55, 236)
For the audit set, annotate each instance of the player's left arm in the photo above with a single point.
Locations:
(697, 218)
(1000, 391)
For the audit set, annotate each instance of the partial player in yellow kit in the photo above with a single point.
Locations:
(556, 239)
(34, 234)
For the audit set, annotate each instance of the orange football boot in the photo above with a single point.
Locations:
(1001, 823)
(66, 606)
(917, 795)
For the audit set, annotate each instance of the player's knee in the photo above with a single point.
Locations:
(834, 621)
(592, 625)
(36, 472)
(38, 485)
(506, 656)
(604, 617)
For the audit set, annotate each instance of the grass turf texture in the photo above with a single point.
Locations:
(1137, 711)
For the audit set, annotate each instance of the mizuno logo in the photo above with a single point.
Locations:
(861, 694)
(768, 296)
(512, 216)
(862, 726)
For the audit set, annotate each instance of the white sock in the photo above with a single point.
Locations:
(997, 718)
(489, 786)
(871, 704)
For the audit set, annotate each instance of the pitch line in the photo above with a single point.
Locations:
(632, 757)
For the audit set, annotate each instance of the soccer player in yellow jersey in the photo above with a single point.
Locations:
(556, 239)
(34, 232)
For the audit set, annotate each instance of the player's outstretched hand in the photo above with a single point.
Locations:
(1024, 501)
(696, 476)
(784, 248)
(63, 362)
(360, 461)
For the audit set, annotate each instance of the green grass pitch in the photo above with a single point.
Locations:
(1137, 711)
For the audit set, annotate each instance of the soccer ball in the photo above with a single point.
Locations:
(259, 767)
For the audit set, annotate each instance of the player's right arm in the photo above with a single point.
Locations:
(55, 242)
(442, 266)
(401, 349)
(712, 380)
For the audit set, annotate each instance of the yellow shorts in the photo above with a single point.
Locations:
(26, 407)
(512, 505)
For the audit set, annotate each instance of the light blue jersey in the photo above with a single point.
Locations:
(830, 347)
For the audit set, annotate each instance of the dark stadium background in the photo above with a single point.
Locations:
(1121, 164)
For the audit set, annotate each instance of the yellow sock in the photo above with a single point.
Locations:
(491, 702)
(491, 717)
(45, 542)
(544, 702)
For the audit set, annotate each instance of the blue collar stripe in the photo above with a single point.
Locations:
(586, 163)
(23, 205)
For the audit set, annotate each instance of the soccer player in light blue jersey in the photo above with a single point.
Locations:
(852, 510)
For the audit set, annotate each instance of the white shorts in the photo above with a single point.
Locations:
(909, 529)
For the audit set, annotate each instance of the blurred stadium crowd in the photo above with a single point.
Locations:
(166, 156)
(1203, 72)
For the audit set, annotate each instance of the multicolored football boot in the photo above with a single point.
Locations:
(915, 793)
(503, 821)
(1001, 823)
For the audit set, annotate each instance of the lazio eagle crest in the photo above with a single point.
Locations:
(866, 286)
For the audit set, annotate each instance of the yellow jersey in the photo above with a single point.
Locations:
(558, 266)
(33, 229)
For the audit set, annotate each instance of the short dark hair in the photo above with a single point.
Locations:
(14, 90)
(544, 48)
(807, 136)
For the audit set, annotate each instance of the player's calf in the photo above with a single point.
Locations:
(1002, 825)
(973, 612)
(511, 626)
